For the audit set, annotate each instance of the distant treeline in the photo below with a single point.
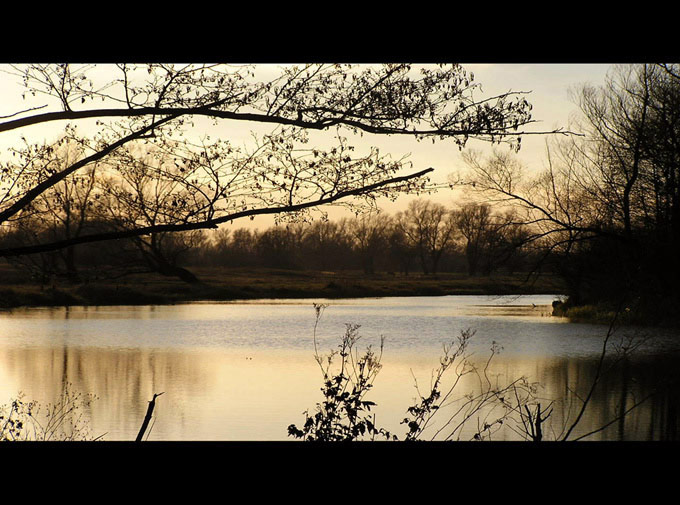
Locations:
(426, 238)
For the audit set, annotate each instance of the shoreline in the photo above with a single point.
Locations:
(221, 284)
(250, 284)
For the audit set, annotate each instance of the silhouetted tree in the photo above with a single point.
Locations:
(241, 250)
(429, 228)
(160, 105)
(607, 205)
(327, 244)
(276, 248)
(491, 240)
(400, 250)
(63, 212)
(369, 236)
(473, 222)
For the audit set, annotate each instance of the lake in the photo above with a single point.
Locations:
(246, 370)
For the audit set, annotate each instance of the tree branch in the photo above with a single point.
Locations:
(261, 118)
(58, 177)
(207, 224)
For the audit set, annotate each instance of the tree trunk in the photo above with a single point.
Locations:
(180, 272)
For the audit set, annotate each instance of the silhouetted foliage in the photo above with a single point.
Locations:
(606, 210)
(344, 415)
(372, 243)
(429, 231)
(375, 243)
(62, 420)
(154, 175)
(443, 412)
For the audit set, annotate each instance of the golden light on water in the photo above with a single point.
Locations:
(252, 394)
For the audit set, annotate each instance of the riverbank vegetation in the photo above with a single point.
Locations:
(607, 205)
(148, 186)
(61, 421)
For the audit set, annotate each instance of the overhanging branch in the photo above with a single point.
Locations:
(58, 177)
(202, 225)
(337, 118)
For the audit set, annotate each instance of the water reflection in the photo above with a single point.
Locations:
(246, 371)
(645, 390)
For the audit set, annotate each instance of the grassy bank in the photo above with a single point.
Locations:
(242, 283)
(595, 314)
(604, 313)
(660, 314)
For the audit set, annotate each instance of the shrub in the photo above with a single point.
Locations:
(60, 421)
(345, 415)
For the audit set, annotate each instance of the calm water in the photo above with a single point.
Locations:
(246, 370)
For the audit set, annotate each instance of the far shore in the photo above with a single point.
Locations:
(225, 284)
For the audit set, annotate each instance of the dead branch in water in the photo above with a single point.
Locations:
(147, 418)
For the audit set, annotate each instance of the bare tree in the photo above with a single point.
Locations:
(369, 235)
(607, 204)
(400, 249)
(491, 240)
(63, 212)
(327, 244)
(473, 222)
(429, 228)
